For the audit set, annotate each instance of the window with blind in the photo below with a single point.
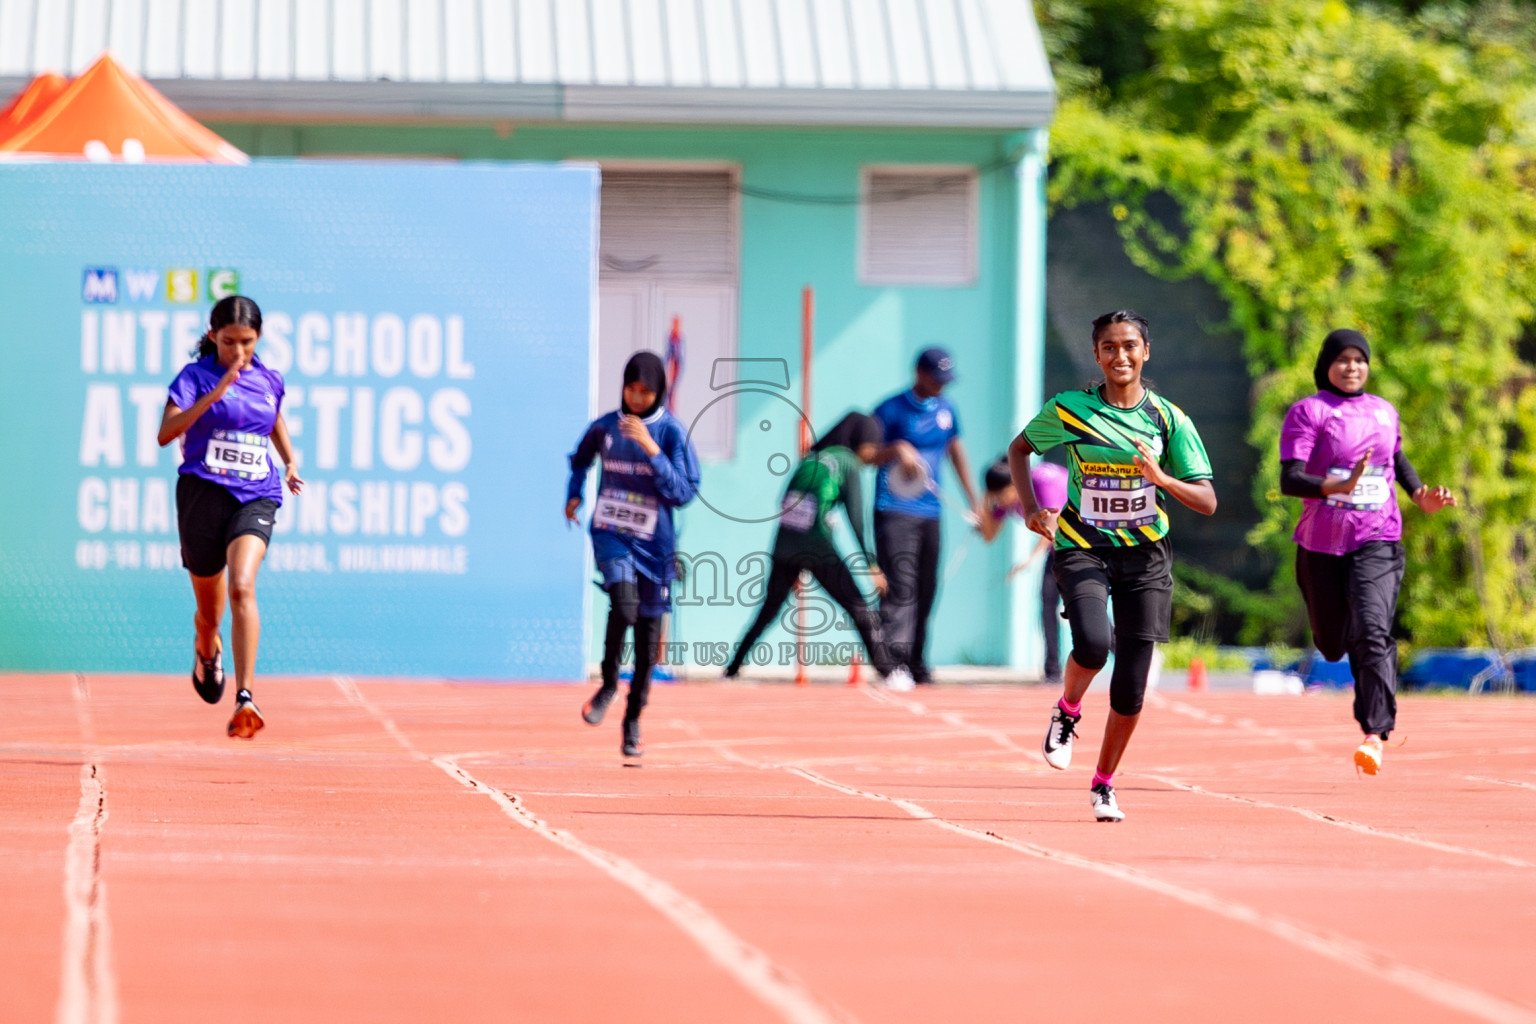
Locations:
(918, 225)
(667, 252)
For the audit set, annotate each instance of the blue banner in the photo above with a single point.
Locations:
(434, 326)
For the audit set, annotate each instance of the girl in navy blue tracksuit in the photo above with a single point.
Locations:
(649, 468)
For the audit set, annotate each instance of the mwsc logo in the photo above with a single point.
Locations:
(107, 285)
(99, 284)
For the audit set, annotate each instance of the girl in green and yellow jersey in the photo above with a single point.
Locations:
(827, 477)
(1129, 449)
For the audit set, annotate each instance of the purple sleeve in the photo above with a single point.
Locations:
(1297, 436)
(183, 391)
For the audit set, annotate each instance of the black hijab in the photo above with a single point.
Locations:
(999, 475)
(1333, 346)
(647, 368)
(850, 432)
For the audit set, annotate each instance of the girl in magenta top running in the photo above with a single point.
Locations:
(1341, 451)
(226, 407)
(1001, 501)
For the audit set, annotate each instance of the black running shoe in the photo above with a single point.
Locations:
(632, 745)
(247, 720)
(211, 686)
(596, 707)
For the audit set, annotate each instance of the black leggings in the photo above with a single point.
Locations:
(834, 577)
(1091, 638)
(624, 614)
(1351, 602)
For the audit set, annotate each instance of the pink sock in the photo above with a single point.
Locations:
(1072, 709)
(1100, 779)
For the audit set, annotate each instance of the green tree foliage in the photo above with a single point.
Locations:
(1333, 165)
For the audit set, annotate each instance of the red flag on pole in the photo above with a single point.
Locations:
(674, 361)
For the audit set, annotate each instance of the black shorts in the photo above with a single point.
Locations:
(210, 518)
(1139, 580)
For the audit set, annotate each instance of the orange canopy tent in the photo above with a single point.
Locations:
(106, 113)
(30, 102)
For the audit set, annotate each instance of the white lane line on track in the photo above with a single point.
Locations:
(752, 968)
(879, 696)
(87, 982)
(1361, 828)
(1340, 950)
(1344, 823)
(350, 691)
(774, 986)
(1245, 724)
(1502, 782)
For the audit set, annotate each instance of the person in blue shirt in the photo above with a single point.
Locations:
(649, 468)
(921, 428)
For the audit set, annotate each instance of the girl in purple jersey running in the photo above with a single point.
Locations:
(1341, 451)
(225, 406)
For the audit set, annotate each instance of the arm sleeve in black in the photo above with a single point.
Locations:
(853, 504)
(1406, 474)
(1296, 482)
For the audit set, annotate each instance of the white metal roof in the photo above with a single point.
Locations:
(918, 62)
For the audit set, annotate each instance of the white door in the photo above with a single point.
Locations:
(668, 250)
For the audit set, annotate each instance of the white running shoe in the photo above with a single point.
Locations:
(1104, 806)
(1368, 755)
(1057, 747)
(900, 681)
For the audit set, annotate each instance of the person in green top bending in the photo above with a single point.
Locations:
(1128, 449)
(826, 477)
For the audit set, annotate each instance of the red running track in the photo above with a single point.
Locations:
(410, 851)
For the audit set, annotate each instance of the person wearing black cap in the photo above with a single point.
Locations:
(921, 428)
(826, 477)
(1334, 455)
(649, 468)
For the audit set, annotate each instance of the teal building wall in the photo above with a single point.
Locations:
(867, 336)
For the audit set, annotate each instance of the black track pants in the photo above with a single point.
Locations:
(1050, 619)
(1351, 602)
(828, 570)
(622, 614)
(907, 548)
(647, 634)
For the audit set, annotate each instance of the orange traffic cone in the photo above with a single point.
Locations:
(855, 671)
(1197, 675)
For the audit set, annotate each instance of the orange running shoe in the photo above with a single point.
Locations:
(247, 721)
(596, 707)
(1368, 755)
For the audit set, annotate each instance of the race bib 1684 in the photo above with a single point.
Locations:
(236, 454)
